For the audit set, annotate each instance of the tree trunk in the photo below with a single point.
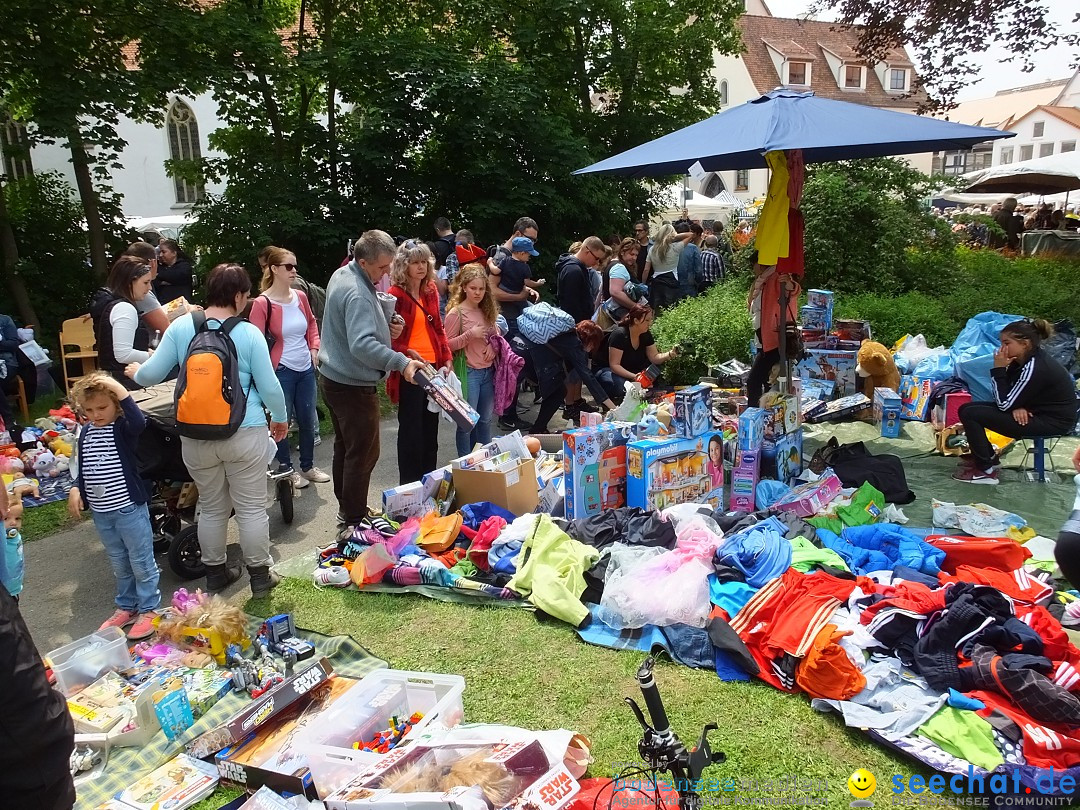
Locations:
(16, 285)
(581, 71)
(331, 133)
(95, 230)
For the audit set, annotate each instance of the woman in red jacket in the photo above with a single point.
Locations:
(413, 277)
(284, 315)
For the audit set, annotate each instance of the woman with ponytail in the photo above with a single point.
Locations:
(1033, 396)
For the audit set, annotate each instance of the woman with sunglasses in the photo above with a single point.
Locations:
(423, 338)
(121, 339)
(284, 316)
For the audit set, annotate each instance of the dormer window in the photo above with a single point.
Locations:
(1038, 128)
(898, 79)
(798, 73)
(853, 77)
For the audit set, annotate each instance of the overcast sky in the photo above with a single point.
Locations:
(995, 75)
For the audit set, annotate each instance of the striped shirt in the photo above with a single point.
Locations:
(102, 471)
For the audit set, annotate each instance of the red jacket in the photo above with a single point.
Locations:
(257, 317)
(406, 308)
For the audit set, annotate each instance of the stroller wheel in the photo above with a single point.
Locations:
(185, 556)
(285, 498)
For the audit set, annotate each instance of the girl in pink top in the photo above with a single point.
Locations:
(285, 317)
(470, 320)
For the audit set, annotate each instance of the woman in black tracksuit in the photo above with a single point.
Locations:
(1033, 396)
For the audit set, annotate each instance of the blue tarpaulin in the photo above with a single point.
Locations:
(973, 351)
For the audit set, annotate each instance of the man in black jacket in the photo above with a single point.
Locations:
(575, 292)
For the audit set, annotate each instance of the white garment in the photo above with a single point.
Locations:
(670, 264)
(124, 320)
(295, 352)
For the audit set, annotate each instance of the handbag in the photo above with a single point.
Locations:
(541, 322)
(461, 365)
(270, 339)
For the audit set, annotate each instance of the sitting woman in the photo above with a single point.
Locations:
(121, 338)
(1033, 396)
(566, 352)
(631, 350)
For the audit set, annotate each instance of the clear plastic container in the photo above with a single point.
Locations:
(367, 709)
(80, 663)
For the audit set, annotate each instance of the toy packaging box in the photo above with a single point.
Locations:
(915, 395)
(822, 299)
(497, 774)
(831, 365)
(782, 457)
(594, 467)
(821, 390)
(845, 406)
(782, 417)
(947, 413)
(692, 415)
(179, 783)
(814, 319)
(808, 499)
(663, 471)
(752, 428)
(744, 480)
(887, 412)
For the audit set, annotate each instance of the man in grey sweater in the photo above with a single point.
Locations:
(354, 356)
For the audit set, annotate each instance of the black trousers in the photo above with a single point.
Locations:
(1067, 554)
(976, 416)
(758, 378)
(418, 434)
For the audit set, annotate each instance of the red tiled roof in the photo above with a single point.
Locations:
(811, 37)
(1070, 115)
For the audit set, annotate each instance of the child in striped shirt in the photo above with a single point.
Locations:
(107, 481)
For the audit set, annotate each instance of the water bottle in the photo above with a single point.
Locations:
(155, 339)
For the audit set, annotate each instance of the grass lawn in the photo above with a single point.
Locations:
(537, 674)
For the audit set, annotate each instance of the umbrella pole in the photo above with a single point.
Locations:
(785, 372)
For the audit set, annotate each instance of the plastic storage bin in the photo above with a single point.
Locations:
(366, 709)
(80, 663)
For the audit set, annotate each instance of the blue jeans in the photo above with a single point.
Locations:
(129, 543)
(299, 389)
(481, 384)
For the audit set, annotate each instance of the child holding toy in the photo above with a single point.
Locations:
(1033, 396)
(470, 322)
(107, 481)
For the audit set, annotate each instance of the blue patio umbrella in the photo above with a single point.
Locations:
(783, 119)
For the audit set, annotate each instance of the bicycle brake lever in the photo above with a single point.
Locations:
(640, 715)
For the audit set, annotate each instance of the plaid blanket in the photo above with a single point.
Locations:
(128, 765)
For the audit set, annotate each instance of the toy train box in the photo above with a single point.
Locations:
(664, 471)
(833, 366)
(594, 467)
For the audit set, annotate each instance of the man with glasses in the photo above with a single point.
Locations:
(575, 288)
(641, 233)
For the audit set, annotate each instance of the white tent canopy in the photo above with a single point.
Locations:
(960, 198)
(169, 226)
(1050, 174)
(704, 208)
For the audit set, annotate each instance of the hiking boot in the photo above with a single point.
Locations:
(975, 475)
(220, 577)
(120, 618)
(143, 627)
(263, 580)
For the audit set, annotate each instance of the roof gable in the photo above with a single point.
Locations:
(1070, 115)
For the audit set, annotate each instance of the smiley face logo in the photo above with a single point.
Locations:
(862, 784)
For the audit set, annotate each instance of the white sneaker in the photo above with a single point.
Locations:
(315, 475)
(298, 480)
(336, 576)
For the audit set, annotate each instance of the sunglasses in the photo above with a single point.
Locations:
(286, 266)
(601, 258)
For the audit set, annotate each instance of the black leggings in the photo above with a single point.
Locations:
(548, 406)
(979, 415)
(758, 378)
(1067, 554)
(418, 434)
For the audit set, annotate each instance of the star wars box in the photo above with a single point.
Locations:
(665, 470)
(594, 467)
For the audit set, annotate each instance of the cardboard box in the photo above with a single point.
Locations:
(515, 490)
(692, 412)
(830, 365)
(272, 755)
(406, 501)
(947, 413)
(887, 406)
(821, 390)
(782, 457)
(751, 428)
(744, 480)
(666, 470)
(806, 500)
(838, 408)
(823, 299)
(814, 319)
(594, 463)
(915, 395)
(782, 417)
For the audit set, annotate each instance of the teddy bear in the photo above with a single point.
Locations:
(877, 367)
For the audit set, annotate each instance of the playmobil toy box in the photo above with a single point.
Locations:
(752, 428)
(664, 471)
(806, 500)
(782, 457)
(744, 479)
(830, 365)
(692, 415)
(915, 393)
(461, 775)
(887, 412)
(594, 467)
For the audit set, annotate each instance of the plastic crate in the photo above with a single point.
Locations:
(366, 709)
(80, 663)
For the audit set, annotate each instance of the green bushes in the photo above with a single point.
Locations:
(892, 317)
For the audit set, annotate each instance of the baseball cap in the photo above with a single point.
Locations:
(523, 244)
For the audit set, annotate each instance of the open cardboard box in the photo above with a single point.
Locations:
(515, 490)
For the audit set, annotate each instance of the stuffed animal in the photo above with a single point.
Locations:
(45, 464)
(11, 465)
(649, 426)
(877, 366)
(62, 464)
(61, 447)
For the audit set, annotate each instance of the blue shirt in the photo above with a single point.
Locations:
(253, 360)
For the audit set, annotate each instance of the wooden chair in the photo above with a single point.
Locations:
(78, 343)
(20, 399)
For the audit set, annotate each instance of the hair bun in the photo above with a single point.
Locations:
(1043, 327)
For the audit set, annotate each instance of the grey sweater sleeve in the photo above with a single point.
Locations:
(361, 313)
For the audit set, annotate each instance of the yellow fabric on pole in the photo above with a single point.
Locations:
(772, 226)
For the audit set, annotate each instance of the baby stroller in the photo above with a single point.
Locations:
(174, 498)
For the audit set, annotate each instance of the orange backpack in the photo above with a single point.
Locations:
(210, 402)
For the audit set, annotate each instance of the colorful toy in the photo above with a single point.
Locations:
(280, 633)
(388, 739)
(664, 471)
(209, 625)
(594, 463)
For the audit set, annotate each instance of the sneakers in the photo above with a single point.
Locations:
(143, 627)
(1071, 616)
(299, 481)
(975, 475)
(514, 422)
(334, 576)
(318, 439)
(383, 525)
(120, 618)
(315, 475)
